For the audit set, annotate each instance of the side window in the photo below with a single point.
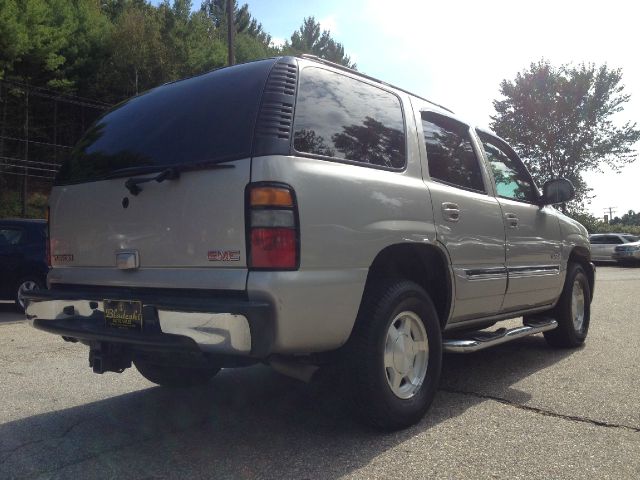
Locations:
(613, 240)
(595, 240)
(340, 117)
(10, 236)
(512, 180)
(450, 154)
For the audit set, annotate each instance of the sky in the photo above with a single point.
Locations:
(456, 53)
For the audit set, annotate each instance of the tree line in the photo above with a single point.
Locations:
(64, 62)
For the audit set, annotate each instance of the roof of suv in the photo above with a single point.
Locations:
(314, 58)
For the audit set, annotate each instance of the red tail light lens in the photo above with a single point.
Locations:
(273, 248)
(272, 223)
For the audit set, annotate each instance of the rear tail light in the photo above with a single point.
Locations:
(48, 241)
(273, 232)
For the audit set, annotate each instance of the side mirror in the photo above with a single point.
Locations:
(558, 190)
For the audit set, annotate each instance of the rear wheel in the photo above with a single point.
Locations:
(174, 376)
(24, 286)
(573, 311)
(394, 355)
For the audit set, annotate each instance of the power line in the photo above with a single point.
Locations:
(36, 141)
(14, 159)
(56, 94)
(30, 175)
(12, 165)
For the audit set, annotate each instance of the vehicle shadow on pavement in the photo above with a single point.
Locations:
(249, 423)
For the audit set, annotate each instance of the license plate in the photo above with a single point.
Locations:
(123, 314)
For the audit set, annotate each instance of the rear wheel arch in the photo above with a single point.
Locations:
(426, 265)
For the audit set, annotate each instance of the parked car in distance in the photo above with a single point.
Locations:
(23, 258)
(295, 212)
(629, 253)
(603, 245)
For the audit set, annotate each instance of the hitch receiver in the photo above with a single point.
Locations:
(108, 357)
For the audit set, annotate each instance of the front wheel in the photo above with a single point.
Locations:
(573, 311)
(394, 355)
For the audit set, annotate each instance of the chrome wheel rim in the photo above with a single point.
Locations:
(25, 287)
(406, 354)
(577, 306)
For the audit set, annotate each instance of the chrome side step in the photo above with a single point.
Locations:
(480, 340)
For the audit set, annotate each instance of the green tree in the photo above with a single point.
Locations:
(560, 119)
(309, 38)
(629, 218)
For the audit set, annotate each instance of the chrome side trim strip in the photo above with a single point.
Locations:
(478, 342)
(495, 273)
(534, 271)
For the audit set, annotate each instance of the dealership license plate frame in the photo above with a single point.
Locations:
(123, 314)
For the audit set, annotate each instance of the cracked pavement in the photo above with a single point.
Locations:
(520, 410)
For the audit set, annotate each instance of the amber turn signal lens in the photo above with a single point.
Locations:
(271, 197)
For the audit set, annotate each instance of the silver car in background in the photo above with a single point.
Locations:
(628, 253)
(604, 246)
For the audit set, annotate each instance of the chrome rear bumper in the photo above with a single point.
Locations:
(217, 326)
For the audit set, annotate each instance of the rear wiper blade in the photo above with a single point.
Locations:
(170, 173)
(139, 170)
(132, 184)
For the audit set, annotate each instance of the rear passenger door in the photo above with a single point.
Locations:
(467, 216)
(533, 232)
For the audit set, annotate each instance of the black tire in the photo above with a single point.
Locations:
(39, 284)
(372, 397)
(567, 335)
(174, 376)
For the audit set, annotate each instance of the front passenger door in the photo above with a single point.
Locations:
(534, 242)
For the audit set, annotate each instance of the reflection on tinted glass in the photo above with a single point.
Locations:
(511, 180)
(337, 116)
(10, 236)
(449, 152)
(203, 118)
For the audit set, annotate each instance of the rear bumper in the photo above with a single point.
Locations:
(215, 325)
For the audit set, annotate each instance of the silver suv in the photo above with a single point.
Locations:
(297, 213)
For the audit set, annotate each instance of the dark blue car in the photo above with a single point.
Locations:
(23, 258)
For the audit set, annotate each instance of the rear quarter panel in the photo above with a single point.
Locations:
(348, 214)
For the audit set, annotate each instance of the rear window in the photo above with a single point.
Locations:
(344, 118)
(200, 119)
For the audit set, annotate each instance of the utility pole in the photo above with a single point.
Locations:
(25, 177)
(230, 31)
(611, 211)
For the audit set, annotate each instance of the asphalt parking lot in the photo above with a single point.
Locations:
(520, 410)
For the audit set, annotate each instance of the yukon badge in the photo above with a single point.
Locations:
(223, 255)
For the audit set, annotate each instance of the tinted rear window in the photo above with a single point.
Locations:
(340, 117)
(205, 118)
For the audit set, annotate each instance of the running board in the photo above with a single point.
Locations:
(480, 340)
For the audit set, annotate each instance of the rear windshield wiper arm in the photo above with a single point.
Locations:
(132, 184)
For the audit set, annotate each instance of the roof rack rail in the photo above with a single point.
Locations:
(308, 56)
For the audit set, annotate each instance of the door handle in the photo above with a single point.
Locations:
(451, 211)
(512, 220)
